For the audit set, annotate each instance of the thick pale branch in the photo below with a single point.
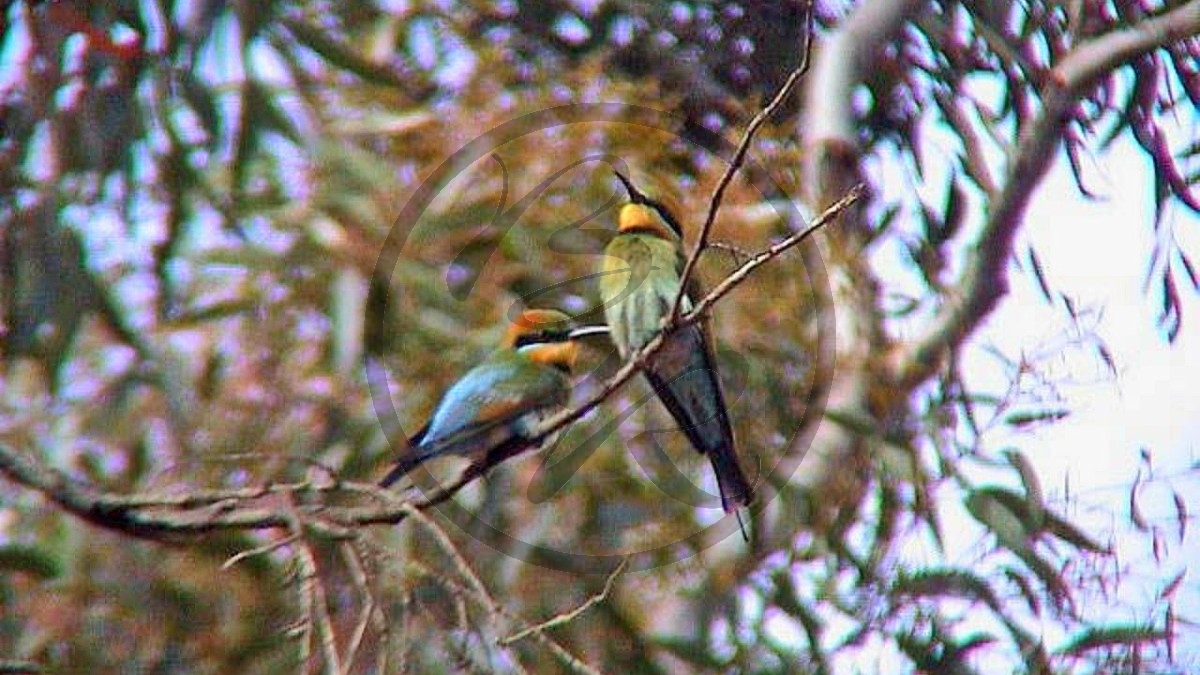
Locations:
(985, 281)
(832, 163)
(839, 67)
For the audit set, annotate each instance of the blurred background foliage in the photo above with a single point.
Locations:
(193, 201)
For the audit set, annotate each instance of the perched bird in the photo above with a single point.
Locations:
(491, 413)
(638, 284)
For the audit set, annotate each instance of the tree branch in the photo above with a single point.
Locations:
(313, 599)
(496, 611)
(840, 66)
(172, 517)
(641, 357)
(735, 164)
(358, 576)
(569, 616)
(985, 281)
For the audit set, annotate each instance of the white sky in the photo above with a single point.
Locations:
(1096, 252)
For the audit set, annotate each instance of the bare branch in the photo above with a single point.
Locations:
(259, 550)
(738, 254)
(313, 599)
(985, 281)
(460, 564)
(739, 158)
(567, 617)
(639, 358)
(170, 517)
(558, 650)
(739, 275)
(839, 67)
(91, 505)
(495, 611)
(358, 576)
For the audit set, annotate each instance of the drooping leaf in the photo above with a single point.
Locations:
(31, 560)
(1135, 510)
(1116, 635)
(1036, 265)
(1022, 419)
(202, 101)
(938, 583)
(1033, 487)
(1181, 514)
(1171, 587)
(1004, 513)
(1072, 534)
(1032, 599)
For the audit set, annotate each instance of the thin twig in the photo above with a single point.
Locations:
(560, 652)
(567, 617)
(460, 564)
(739, 254)
(739, 158)
(258, 550)
(358, 576)
(129, 513)
(476, 586)
(365, 569)
(736, 278)
(303, 628)
(985, 281)
(313, 598)
(740, 274)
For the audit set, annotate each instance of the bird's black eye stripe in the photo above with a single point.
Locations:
(637, 197)
(542, 337)
(666, 216)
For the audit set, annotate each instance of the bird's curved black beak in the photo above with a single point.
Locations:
(634, 196)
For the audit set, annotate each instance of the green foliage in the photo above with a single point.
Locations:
(187, 194)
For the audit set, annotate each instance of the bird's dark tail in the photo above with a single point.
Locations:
(735, 489)
(695, 400)
(403, 466)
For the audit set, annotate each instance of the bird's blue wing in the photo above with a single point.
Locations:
(485, 409)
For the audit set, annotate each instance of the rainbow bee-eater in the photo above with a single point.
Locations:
(492, 412)
(638, 284)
